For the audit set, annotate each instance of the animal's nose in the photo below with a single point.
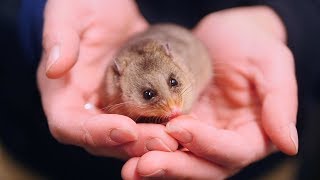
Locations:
(175, 112)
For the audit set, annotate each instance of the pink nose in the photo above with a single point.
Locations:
(175, 112)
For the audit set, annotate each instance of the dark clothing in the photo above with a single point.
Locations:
(23, 127)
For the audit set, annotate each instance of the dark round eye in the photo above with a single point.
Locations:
(173, 82)
(149, 94)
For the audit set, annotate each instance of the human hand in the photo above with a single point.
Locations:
(248, 112)
(80, 38)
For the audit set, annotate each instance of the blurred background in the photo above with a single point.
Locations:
(20, 111)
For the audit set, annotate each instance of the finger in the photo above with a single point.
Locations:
(60, 39)
(128, 171)
(236, 148)
(101, 133)
(84, 129)
(277, 88)
(174, 165)
(151, 137)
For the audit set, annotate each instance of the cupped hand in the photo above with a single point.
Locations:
(248, 111)
(80, 38)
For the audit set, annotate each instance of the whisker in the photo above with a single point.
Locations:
(116, 106)
(186, 89)
(146, 118)
(113, 107)
(114, 99)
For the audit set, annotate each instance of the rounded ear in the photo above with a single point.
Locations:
(112, 82)
(166, 48)
(118, 66)
(151, 45)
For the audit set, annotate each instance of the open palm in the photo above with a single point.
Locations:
(248, 112)
(80, 39)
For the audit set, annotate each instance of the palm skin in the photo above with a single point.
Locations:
(248, 111)
(250, 106)
(80, 39)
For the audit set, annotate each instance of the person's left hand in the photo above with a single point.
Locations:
(248, 112)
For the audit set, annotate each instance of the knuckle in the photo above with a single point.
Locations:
(87, 140)
(86, 137)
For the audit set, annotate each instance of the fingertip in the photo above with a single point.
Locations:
(122, 135)
(62, 49)
(181, 134)
(58, 62)
(129, 171)
(53, 57)
(57, 72)
(285, 139)
(181, 120)
(109, 130)
(151, 164)
(178, 128)
(294, 138)
(152, 137)
(279, 124)
(158, 144)
(59, 68)
(290, 144)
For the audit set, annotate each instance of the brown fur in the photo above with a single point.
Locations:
(148, 61)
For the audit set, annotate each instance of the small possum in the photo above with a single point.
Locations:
(157, 75)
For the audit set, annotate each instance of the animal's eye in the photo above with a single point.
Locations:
(173, 82)
(149, 94)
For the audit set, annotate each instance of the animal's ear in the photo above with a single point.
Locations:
(118, 66)
(166, 47)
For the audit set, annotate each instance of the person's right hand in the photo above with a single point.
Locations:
(80, 38)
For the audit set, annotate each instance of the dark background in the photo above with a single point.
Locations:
(25, 135)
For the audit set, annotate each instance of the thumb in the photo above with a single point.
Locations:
(60, 40)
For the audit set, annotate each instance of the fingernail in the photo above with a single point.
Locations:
(178, 133)
(122, 135)
(53, 57)
(157, 144)
(294, 135)
(155, 174)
